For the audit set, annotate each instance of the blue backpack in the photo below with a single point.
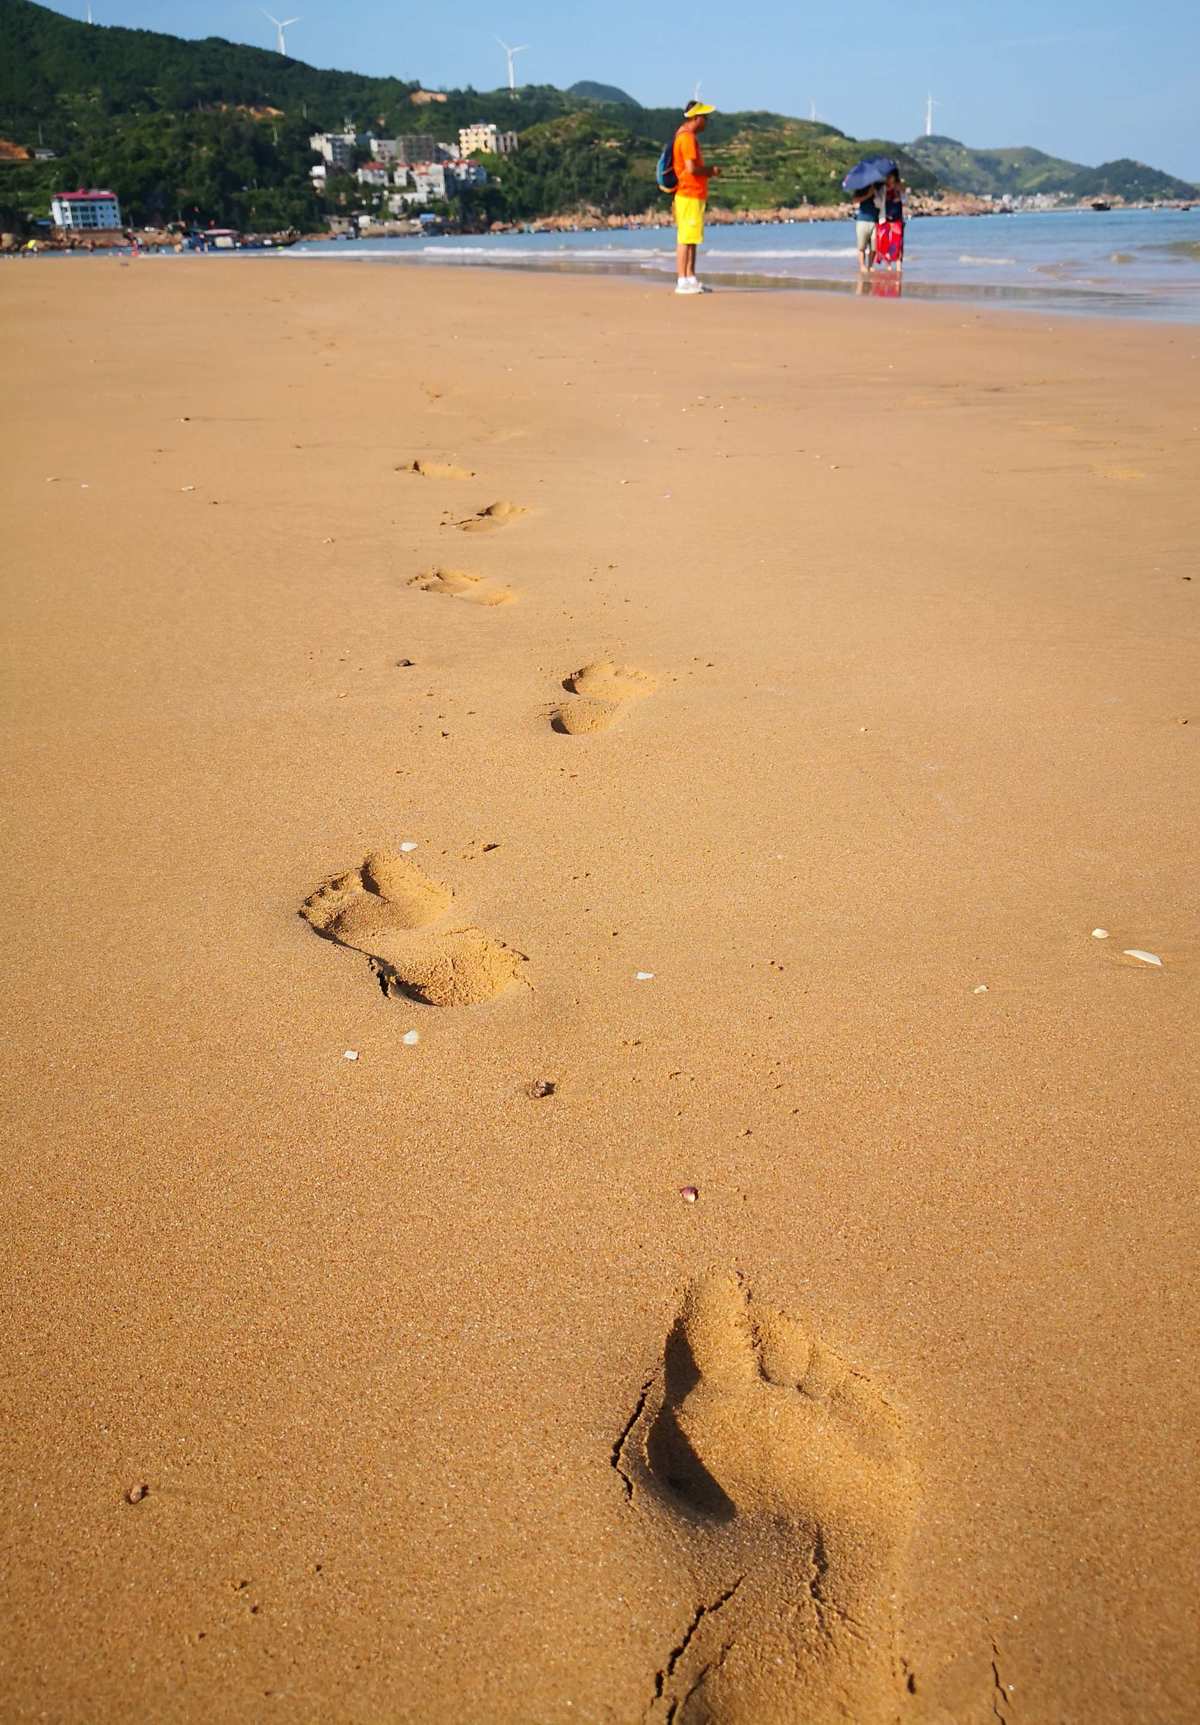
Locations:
(665, 173)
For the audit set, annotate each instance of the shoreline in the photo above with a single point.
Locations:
(1118, 265)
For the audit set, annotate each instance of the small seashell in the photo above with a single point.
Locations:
(643, 976)
(1146, 957)
(187, 487)
(409, 845)
(350, 1054)
(542, 1087)
(982, 988)
(136, 1493)
(411, 1038)
(1099, 934)
(689, 1194)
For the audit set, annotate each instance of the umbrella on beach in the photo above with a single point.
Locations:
(871, 171)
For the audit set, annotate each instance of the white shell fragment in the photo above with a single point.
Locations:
(982, 988)
(643, 976)
(689, 1194)
(1146, 957)
(409, 845)
(350, 1054)
(411, 1038)
(1099, 934)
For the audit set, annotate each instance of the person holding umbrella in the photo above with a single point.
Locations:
(866, 180)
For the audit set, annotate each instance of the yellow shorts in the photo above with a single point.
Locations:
(689, 220)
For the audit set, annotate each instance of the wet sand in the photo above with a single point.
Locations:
(836, 669)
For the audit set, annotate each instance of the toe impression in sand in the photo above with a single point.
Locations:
(783, 1477)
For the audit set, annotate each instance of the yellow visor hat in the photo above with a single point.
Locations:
(694, 108)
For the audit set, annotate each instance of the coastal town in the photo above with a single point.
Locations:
(406, 186)
(587, 171)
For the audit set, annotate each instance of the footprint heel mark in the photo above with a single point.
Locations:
(603, 691)
(777, 1463)
(580, 718)
(463, 968)
(459, 584)
(435, 469)
(385, 909)
(666, 1672)
(494, 515)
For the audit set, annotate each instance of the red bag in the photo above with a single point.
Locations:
(889, 242)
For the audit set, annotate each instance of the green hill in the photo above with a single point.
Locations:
(1127, 179)
(588, 91)
(1021, 172)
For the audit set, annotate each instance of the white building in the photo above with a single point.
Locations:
(375, 174)
(90, 210)
(485, 139)
(425, 182)
(430, 182)
(337, 148)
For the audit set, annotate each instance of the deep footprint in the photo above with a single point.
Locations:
(381, 909)
(783, 1478)
(458, 584)
(495, 515)
(605, 690)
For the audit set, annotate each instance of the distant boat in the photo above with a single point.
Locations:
(1099, 204)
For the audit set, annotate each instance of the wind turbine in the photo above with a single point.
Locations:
(510, 55)
(930, 105)
(280, 25)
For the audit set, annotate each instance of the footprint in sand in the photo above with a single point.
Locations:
(435, 469)
(781, 1478)
(495, 515)
(457, 584)
(379, 910)
(604, 691)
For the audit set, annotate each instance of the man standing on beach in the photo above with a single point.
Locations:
(691, 193)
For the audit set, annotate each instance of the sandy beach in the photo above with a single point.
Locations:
(764, 1288)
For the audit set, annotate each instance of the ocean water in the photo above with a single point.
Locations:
(1140, 263)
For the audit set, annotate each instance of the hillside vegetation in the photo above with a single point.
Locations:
(1021, 172)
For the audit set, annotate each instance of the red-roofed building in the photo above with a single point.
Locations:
(87, 210)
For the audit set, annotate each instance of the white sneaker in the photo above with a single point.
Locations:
(688, 285)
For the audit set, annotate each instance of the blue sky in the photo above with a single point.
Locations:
(1090, 82)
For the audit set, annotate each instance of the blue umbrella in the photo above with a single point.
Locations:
(871, 171)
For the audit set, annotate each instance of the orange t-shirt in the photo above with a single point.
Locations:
(691, 180)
